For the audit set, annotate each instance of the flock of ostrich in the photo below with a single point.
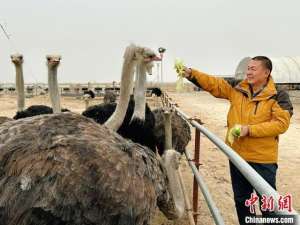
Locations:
(107, 166)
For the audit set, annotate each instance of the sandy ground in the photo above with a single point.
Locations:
(215, 171)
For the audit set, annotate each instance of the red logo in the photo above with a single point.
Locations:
(285, 202)
(268, 203)
(251, 202)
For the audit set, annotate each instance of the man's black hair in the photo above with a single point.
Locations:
(265, 60)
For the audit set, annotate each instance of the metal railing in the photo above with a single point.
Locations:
(250, 174)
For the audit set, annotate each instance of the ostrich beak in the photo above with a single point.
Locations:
(156, 58)
(152, 58)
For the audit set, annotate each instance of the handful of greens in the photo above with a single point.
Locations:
(234, 132)
(179, 67)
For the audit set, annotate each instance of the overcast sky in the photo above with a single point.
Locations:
(91, 35)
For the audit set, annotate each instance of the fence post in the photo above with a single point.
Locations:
(195, 184)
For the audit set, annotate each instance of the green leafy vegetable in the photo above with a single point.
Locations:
(234, 132)
(179, 67)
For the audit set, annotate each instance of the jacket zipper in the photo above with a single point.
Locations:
(256, 106)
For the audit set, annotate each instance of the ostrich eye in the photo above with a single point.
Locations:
(21, 57)
(48, 58)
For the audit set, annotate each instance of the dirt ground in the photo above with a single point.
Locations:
(215, 170)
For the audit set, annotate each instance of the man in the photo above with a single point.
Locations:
(263, 112)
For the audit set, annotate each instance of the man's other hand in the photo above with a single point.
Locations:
(244, 131)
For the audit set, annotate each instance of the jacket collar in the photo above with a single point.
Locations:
(268, 91)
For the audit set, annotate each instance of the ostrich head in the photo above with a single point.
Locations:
(133, 55)
(147, 56)
(144, 54)
(17, 59)
(53, 61)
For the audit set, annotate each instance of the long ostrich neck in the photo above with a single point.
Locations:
(139, 92)
(173, 204)
(174, 208)
(116, 119)
(53, 89)
(20, 87)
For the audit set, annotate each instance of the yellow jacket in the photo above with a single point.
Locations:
(267, 115)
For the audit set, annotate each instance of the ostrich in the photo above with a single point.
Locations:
(139, 120)
(52, 63)
(156, 91)
(87, 96)
(90, 93)
(65, 169)
(181, 133)
(109, 97)
(17, 60)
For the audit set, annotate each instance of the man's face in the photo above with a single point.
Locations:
(257, 74)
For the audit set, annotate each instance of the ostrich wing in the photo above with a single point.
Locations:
(4, 119)
(181, 133)
(66, 169)
(33, 110)
(138, 131)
